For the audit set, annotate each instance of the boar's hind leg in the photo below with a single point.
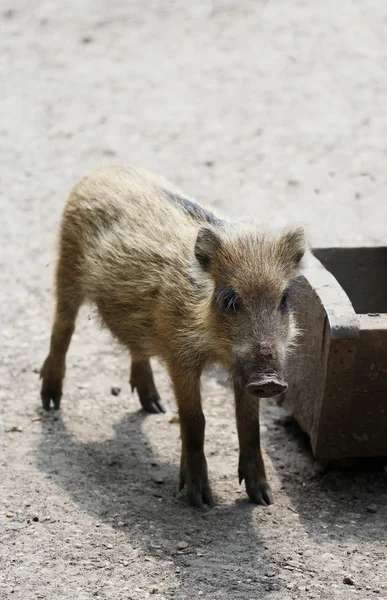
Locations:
(53, 371)
(251, 467)
(193, 467)
(141, 379)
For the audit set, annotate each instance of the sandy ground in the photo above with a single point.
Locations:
(271, 109)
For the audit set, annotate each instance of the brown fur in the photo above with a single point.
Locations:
(171, 280)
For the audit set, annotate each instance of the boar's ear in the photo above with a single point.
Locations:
(206, 246)
(293, 245)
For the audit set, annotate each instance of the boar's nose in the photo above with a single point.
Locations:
(266, 387)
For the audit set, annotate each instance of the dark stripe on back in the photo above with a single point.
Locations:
(195, 211)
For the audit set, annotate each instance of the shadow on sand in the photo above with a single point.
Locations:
(335, 500)
(118, 481)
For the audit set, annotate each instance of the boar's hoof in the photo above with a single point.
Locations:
(199, 496)
(257, 488)
(260, 493)
(48, 395)
(151, 403)
(52, 377)
(198, 491)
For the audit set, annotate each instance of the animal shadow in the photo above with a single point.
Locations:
(121, 482)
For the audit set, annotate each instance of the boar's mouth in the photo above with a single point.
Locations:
(266, 386)
(264, 382)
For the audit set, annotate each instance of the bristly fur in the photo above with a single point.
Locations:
(156, 265)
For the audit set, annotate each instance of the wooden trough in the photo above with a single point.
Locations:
(338, 374)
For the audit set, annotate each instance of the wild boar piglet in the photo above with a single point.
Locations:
(170, 279)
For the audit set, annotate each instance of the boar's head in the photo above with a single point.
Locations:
(251, 320)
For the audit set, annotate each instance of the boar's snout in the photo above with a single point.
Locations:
(267, 387)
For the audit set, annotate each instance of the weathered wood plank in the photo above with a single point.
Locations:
(371, 363)
(338, 375)
(368, 424)
(323, 366)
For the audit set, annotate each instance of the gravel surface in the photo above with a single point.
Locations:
(271, 109)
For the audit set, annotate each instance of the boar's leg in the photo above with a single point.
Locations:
(193, 466)
(69, 298)
(53, 369)
(251, 467)
(141, 379)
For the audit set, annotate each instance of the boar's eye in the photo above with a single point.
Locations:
(284, 300)
(228, 302)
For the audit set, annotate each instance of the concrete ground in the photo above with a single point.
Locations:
(271, 109)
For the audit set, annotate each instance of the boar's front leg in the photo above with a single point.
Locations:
(251, 467)
(193, 466)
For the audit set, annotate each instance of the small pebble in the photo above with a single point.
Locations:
(182, 545)
(348, 580)
(153, 589)
(9, 515)
(291, 585)
(109, 152)
(115, 391)
(15, 428)
(158, 480)
(35, 519)
(372, 508)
